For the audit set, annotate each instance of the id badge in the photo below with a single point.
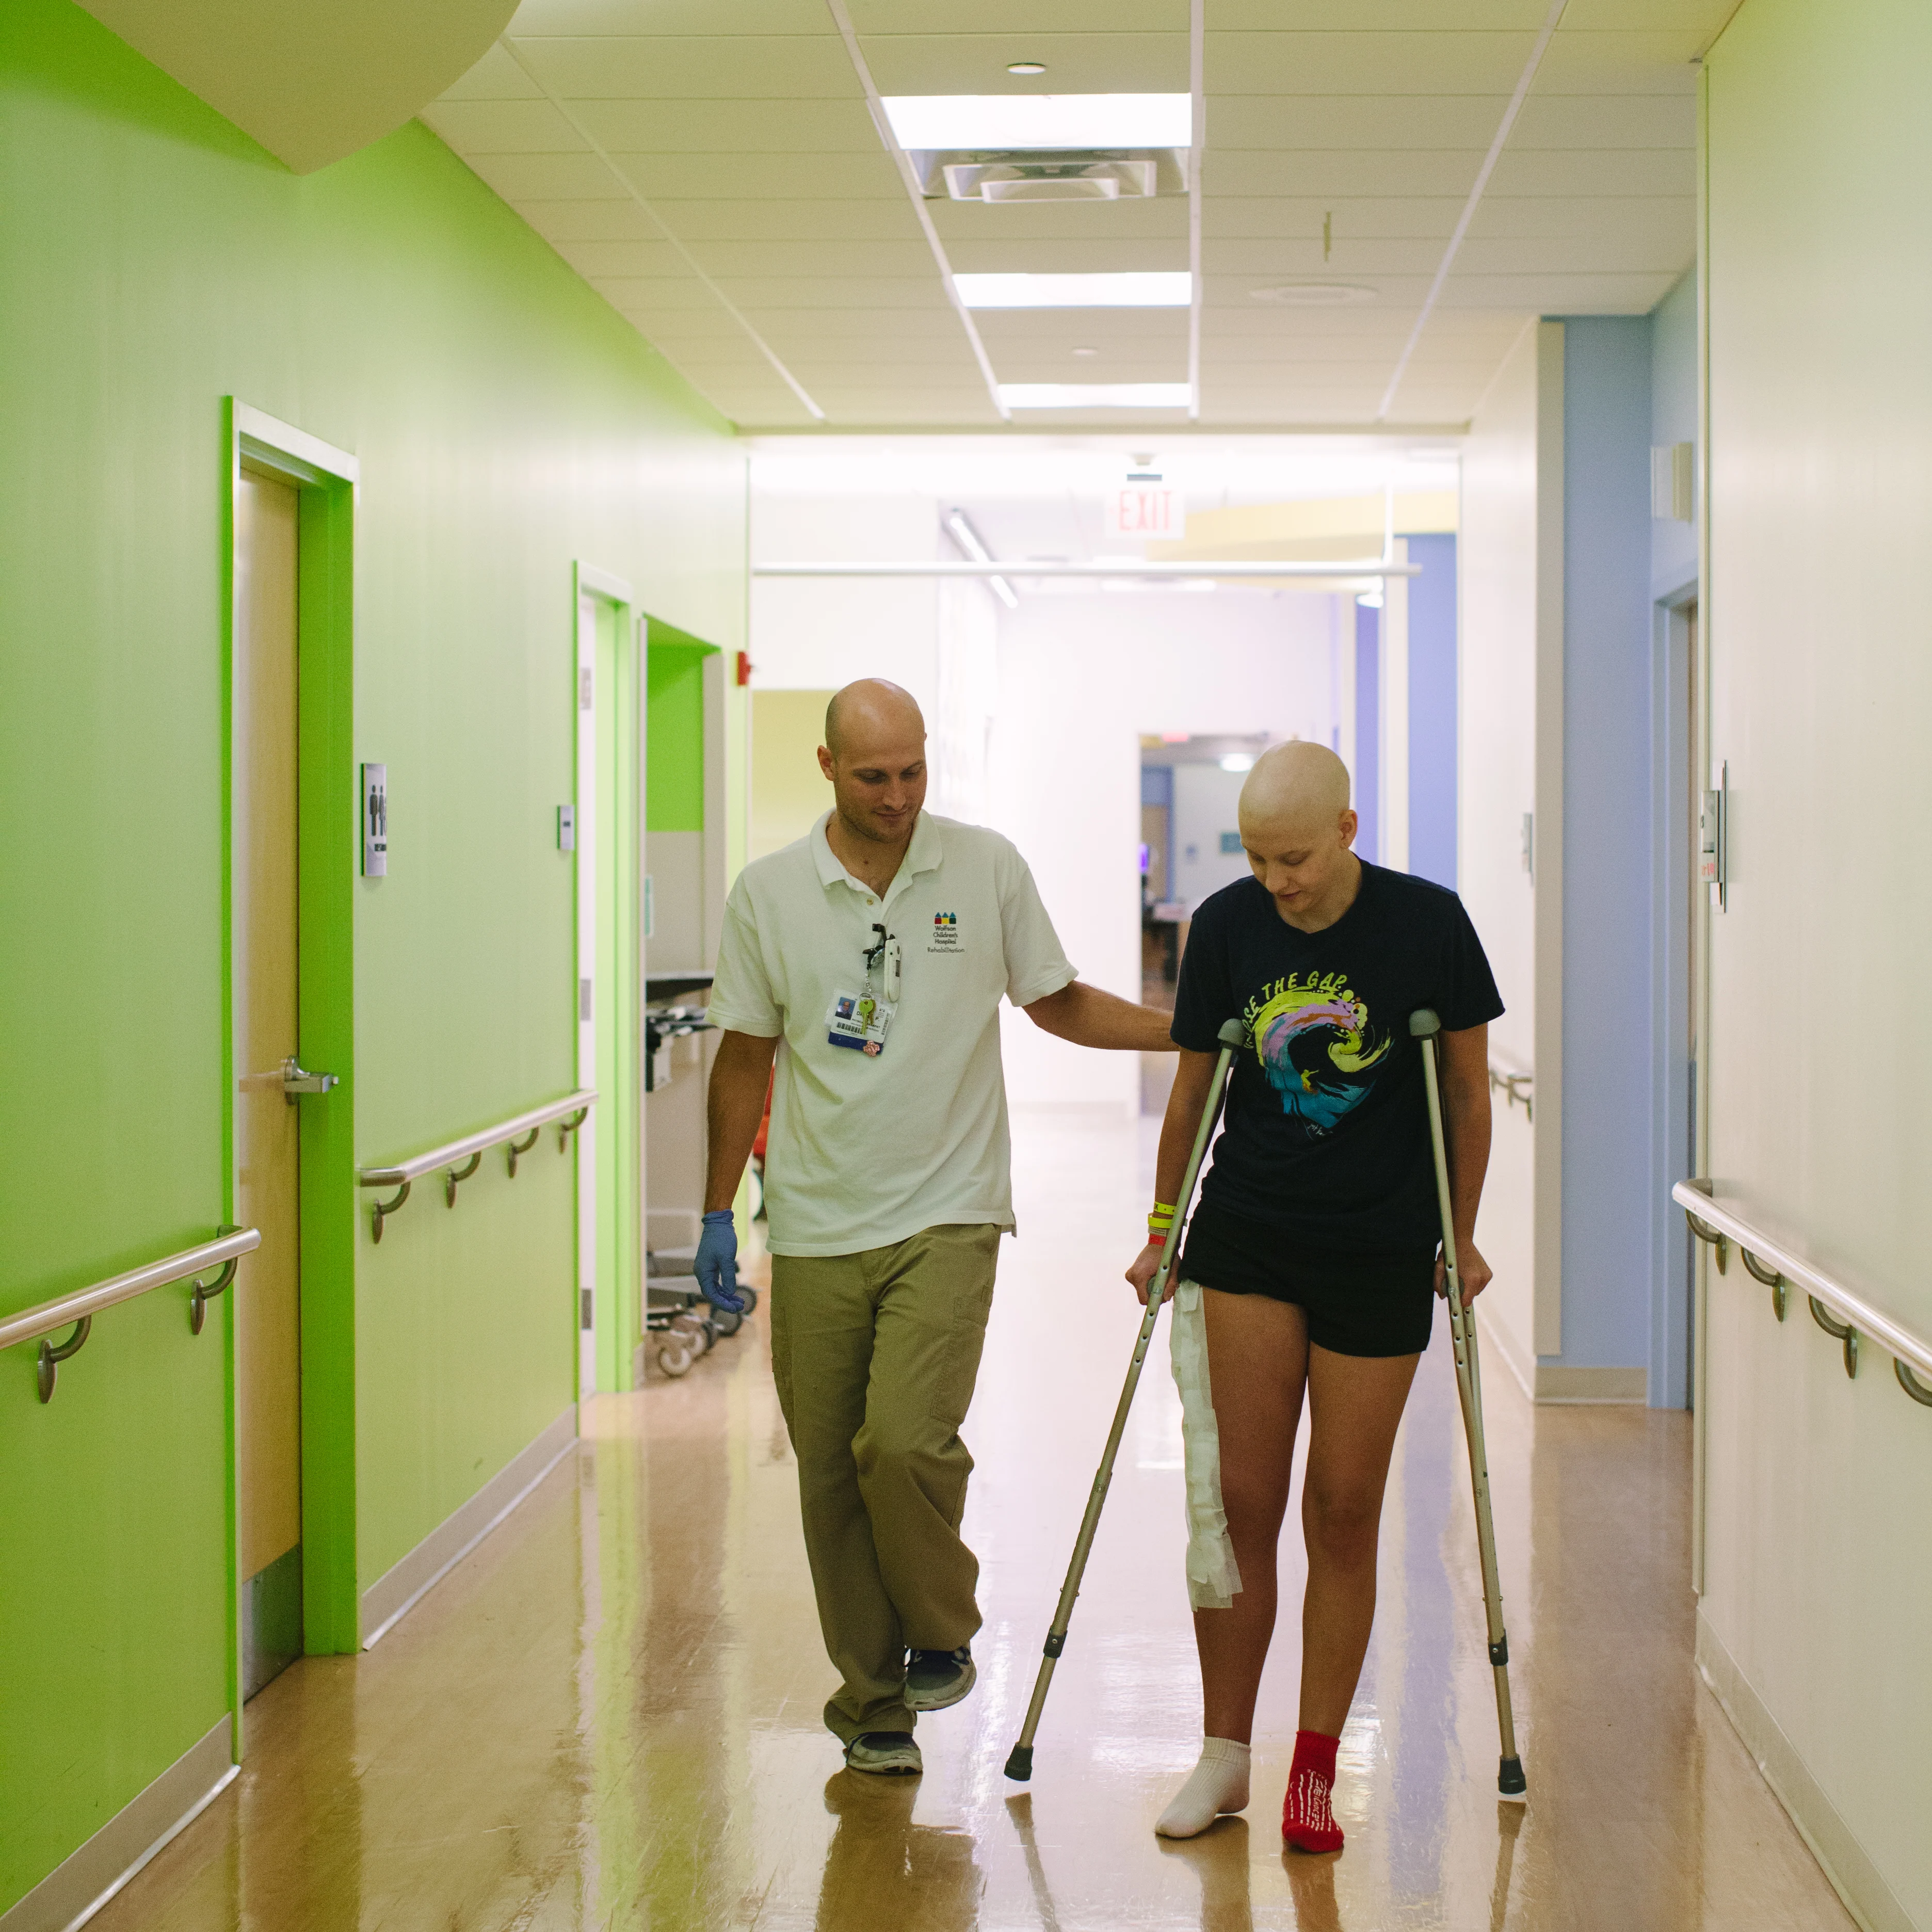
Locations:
(858, 1021)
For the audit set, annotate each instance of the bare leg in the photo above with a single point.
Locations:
(1257, 1364)
(1355, 1404)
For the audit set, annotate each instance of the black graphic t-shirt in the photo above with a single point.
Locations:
(1326, 1136)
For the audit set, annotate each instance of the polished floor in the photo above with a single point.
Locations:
(608, 1716)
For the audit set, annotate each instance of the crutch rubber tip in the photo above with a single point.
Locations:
(1511, 1785)
(1019, 1765)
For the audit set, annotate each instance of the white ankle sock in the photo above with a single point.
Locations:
(1218, 1783)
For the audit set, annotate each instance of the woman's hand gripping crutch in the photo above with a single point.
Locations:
(1019, 1764)
(1511, 1783)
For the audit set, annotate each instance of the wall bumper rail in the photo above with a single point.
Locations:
(458, 1160)
(1843, 1314)
(218, 1259)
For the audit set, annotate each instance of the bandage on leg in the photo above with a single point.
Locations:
(1307, 1821)
(1217, 1784)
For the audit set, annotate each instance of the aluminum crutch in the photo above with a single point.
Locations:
(1425, 1026)
(1233, 1036)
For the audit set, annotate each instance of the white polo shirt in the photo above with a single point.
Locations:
(863, 1152)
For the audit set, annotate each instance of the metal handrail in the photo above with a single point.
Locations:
(76, 1311)
(1514, 1086)
(521, 1132)
(1776, 1266)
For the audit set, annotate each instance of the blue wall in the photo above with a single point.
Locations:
(1609, 1017)
(1368, 732)
(1432, 710)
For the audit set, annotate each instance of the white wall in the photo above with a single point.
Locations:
(1818, 1490)
(1080, 678)
(1205, 801)
(820, 633)
(1510, 763)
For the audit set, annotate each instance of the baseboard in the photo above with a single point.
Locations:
(88, 1877)
(1494, 1338)
(400, 1588)
(1844, 1862)
(1557, 1384)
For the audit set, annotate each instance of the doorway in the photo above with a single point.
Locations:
(268, 1119)
(610, 953)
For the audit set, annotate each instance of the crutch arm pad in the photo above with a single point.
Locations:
(1232, 1033)
(1423, 1023)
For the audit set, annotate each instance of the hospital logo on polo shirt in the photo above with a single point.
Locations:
(945, 933)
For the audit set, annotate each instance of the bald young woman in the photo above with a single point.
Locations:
(1312, 1263)
(871, 959)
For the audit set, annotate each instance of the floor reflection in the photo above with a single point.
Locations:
(607, 1717)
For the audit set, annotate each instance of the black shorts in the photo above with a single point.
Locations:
(1357, 1304)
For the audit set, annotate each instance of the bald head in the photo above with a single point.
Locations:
(1295, 787)
(1297, 829)
(870, 712)
(875, 754)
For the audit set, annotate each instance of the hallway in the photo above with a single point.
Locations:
(608, 1715)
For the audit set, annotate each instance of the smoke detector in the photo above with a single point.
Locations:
(997, 175)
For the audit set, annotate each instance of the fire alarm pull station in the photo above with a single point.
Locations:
(375, 821)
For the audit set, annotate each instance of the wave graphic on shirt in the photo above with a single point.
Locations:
(1315, 1046)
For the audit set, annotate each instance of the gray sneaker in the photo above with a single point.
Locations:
(885, 1753)
(936, 1678)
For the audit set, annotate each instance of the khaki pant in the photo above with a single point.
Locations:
(875, 1355)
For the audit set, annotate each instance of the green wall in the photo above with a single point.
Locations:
(674, 731)
(152, 261)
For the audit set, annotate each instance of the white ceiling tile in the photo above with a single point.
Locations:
(1703, 16)
(1342, 123)
(558, 222)
(627, 293)
(826, 263)
(842, 323)
(1624, 219)
(1232, 175)
(601, 262)
(798, 221)
(774, 176)
(1100, 63)
(1278, 64)
(1299, 258)
(662, 67)
(495, 77)
(1389, 17)
(519, 178)
(502, 128)
(1594, 171)
(1607, 120)
(1635, 294)
(775, 292)
(657, 126)
(1657, 62)
(1601, 255)
(1259, 217)
(1065, 257)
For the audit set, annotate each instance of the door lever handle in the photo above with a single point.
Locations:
(296, 1079)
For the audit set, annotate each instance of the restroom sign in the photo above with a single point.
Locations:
(1143, 506)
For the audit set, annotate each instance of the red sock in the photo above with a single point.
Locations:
(1306, 1822)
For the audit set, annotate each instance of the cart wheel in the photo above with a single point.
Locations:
(674, 1361)
(709, 1334)
(725, 1321)
(748, 1295)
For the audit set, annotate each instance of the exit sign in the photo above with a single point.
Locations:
(1143, 508)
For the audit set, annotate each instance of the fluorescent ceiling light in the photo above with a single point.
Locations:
(1237, 761)
(945, 120)
(1094, 395)
(1145, 288)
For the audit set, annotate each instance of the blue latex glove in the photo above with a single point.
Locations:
(716, 1267)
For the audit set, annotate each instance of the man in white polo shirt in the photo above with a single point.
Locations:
(876, 951)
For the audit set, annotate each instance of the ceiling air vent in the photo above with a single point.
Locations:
(1050, 174)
